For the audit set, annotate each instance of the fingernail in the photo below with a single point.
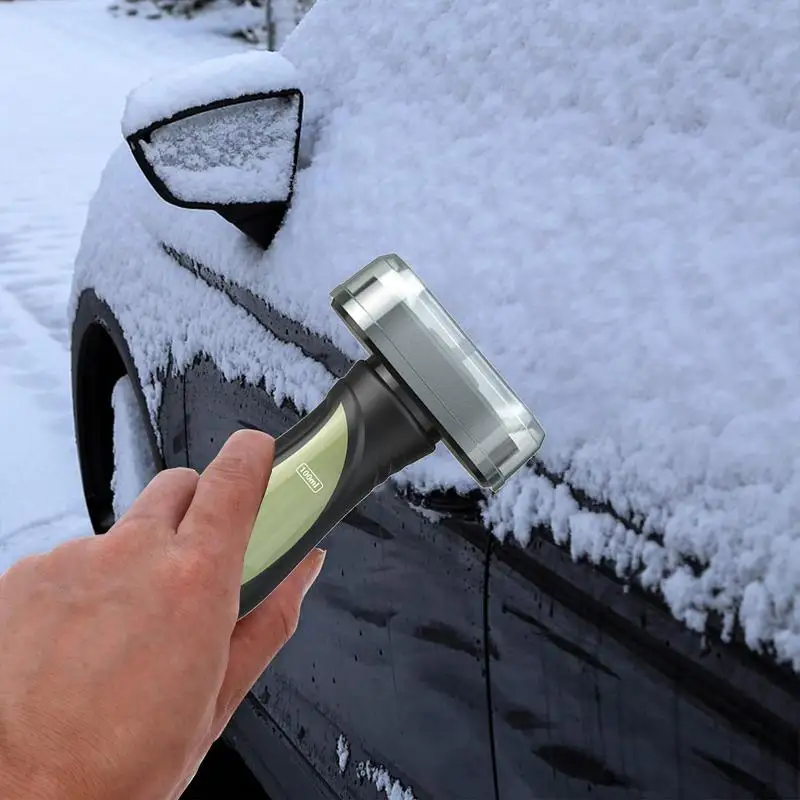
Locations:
(314, 568)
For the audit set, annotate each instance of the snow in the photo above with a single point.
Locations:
(40, 500)
(367, 771)
(383, 781)
(134, 466)
(605, 197)
(182, 317)
(607, 201)
(203, 82)
(342, 752)
(427, 513)
(65, 69)
(223, 155)
(226, 19)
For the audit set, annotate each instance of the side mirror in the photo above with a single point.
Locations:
(236, 156)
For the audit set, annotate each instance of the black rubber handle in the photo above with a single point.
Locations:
(367, 428)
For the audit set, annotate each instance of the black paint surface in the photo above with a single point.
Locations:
(599, 691)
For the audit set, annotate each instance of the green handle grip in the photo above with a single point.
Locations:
(367, 428)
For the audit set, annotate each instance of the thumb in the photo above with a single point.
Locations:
(258, 637)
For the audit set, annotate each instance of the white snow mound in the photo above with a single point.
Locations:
(605, 195)
(226, 77)
(134, 466)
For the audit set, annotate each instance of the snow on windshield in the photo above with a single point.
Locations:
(605, 196)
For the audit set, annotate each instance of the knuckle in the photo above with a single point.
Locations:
(68, 555)
(207, 521)
(125, 525)
(68, 548)
(134, 532)
(20, 572)
(243, 455)
(233, 467)
(189, 570)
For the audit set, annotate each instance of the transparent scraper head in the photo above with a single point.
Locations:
(482, 422)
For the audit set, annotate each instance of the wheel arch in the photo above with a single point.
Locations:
(100, 357)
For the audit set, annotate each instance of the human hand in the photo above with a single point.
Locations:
(122, 658)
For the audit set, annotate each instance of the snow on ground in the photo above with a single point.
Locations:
(65, 69)
(605, 195)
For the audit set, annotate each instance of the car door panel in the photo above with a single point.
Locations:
(172, 423)
(384, 663)
(283, 772)
(599, 690)
(390, 651)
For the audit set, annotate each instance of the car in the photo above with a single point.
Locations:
(601, 196)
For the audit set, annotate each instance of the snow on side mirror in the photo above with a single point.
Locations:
(236, 155)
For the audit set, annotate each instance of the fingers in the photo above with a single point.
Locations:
(164, 500)
(220, 519)
(261, 634)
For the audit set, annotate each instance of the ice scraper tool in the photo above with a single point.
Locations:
(423, 381)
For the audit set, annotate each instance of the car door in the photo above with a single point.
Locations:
(384, 681)
(598, 690)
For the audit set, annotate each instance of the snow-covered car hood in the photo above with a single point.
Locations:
(605, 196)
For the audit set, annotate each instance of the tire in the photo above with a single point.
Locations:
(104, 377)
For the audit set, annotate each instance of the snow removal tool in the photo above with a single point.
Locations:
(423, 381)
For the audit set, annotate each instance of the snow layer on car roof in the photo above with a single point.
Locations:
(605, 195)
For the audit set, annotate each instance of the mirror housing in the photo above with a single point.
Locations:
(236, 156)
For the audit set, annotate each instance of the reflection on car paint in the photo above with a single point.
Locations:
(597, 689)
